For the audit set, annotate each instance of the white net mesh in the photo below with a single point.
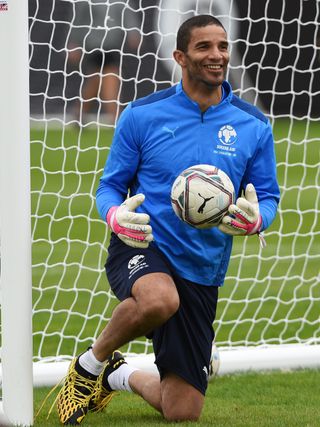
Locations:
(270, 296)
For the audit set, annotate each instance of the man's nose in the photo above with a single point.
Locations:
(215, 53)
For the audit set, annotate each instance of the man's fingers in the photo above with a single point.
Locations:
(134, 243)
(134, 218)
(136, 240)
(142, 228)
(133, 202)
(244, 210)
(226, 227)
(240, 214)
(250, 194)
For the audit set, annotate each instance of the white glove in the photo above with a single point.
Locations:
(131, 227)
(246, 218)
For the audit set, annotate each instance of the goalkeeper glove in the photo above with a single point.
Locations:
(244, 218)
(131, 227)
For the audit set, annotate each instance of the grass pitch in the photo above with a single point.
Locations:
(251, 400)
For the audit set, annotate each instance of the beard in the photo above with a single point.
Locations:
(197, 75)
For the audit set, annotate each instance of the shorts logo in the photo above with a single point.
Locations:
(136, 264)
(227, 135)
(136, 260)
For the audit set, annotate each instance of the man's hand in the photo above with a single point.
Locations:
(246, 218)
(131, 227)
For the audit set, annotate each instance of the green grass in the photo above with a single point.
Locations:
(264, 400)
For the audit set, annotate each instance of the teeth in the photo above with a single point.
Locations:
(213, 67)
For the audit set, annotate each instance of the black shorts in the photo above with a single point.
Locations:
(98, 59)
(183, 344)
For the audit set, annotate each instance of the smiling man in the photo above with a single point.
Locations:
(165, 273)
(203, 56)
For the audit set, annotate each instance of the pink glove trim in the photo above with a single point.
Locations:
(250, 228)
(118, 229)
(109, 214)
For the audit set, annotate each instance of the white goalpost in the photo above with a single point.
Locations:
(15, 226)
(53, 243)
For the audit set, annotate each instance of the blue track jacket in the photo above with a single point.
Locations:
(159, 136)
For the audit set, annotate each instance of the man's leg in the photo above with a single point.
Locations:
(147, 385)
(182, 345)
(110, 91)
(173, 397)
(154, 300)
(180, 401)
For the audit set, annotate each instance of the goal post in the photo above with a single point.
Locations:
(268, 310)
(15, 215)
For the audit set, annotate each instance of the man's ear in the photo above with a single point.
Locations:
(179, 57)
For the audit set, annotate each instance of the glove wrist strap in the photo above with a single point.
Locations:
(256, 227)
(111, 215)
(262, 240)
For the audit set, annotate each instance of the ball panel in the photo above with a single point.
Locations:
(203, 194)
(214, 362)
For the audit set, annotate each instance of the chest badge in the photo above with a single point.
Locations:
(227, 135)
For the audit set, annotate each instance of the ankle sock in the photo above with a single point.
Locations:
(89, 362)
(83, 372)
(119, 379)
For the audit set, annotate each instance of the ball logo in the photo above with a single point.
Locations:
(205, 201)
(135, 261)
(227, 135)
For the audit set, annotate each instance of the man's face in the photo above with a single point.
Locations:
(207, 57)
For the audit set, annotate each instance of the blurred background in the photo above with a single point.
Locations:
(275, 51)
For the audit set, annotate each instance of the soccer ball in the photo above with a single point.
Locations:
(214, 362)
(201, 195)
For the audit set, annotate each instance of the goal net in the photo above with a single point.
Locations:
(271, 297)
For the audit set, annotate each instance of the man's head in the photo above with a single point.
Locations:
(184, 32)
(202, 52)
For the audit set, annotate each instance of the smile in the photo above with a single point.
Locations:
(213, 67)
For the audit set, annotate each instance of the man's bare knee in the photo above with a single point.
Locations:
(180, 414)
(180, 401)
(156, 296)
(162, 306)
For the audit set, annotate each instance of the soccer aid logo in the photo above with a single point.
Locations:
(136, 260)
(227, 135)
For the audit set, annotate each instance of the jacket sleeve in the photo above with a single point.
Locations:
(261, 172)
(121, 165)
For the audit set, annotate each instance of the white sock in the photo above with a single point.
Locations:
(119, 379)
(89, 362)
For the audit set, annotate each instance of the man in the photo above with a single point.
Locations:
(165, 273)
(100, 30)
